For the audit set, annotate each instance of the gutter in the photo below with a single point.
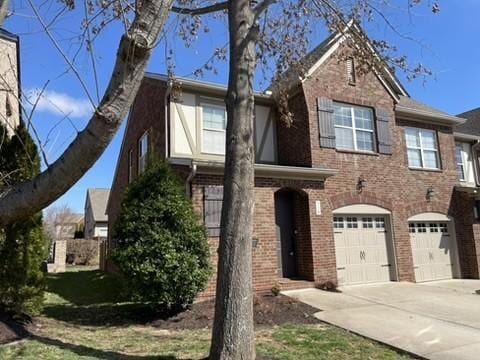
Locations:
(261, 170)
(414, 114)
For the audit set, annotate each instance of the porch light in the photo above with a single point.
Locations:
(430, 193)
(361, 184)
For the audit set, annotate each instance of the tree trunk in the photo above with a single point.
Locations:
(4, 4)
(233, 330)
(22, 200)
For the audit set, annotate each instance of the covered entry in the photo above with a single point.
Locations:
(293, 234)
(364, 252)
(434, 250)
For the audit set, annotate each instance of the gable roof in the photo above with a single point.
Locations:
(69, 218)
(472, 125)
(315, 58)
(98, 202)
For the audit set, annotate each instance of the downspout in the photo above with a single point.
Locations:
(167, 116)
(191, 175)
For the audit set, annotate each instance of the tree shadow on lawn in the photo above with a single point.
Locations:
(96, 298)
(105, 314)
(83, 350)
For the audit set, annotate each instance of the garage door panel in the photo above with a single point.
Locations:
(361, 249)
(432, 250)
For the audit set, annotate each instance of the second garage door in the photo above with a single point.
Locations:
(432, 250)
(361, 249)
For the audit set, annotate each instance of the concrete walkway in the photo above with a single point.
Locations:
(435, 320)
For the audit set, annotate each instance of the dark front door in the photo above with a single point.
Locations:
(284, 219)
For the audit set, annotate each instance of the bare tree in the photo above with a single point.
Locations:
(258, 31)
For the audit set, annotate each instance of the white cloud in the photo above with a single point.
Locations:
(61, 104)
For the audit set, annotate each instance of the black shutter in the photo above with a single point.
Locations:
(212, 208)
(383, 131)
(326, 124)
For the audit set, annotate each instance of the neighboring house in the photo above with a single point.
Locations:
(363, 187)
(66, 224)
(9, 80)
(96, 219)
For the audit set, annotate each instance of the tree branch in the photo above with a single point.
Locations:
(203, 10)
(3, 10)
(21, 200)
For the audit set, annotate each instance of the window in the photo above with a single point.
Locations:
(351, 71)
(421, 228)
(367, 223)
(443, 228)
(411, 228)
(354, 128)
(214, 126)
(422, 148)
(130, 166)
(142, 152)
(460, 163)
(380, 223)
(352, 223)
(338, 222)
(434, 228)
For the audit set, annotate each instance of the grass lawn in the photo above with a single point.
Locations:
(87, 318)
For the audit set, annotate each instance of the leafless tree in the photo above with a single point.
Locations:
(262, 33)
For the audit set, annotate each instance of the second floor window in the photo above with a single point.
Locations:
(422, 148)
(354, 128)
(460, 162)
(142, 152)
(213, 129)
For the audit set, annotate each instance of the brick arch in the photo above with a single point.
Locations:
(353, 198)
(424, 206)
(294, 189)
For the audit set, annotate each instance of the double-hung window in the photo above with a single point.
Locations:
(460, 161)
(213, 129)
(422, 148)
(354, 127)
(142, 152)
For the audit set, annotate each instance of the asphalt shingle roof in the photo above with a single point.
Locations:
(472, 125)
(98, 202)
(416, 105)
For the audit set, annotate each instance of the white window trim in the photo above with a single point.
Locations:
(354, 129)
(422, 149)
(203, 128)
(142, 158)
(463, 161)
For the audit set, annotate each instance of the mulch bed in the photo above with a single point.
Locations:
(268, 310)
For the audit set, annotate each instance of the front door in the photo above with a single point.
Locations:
(284, 219)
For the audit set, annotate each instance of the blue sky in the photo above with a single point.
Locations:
(450, 47)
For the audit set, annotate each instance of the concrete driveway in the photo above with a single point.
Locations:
(435, 320)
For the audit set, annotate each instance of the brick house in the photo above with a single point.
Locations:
(363, 187)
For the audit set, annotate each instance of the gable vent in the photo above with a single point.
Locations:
(350, 71)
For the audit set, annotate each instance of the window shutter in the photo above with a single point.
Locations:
(326, 122)
(212, 208)
(383, 131)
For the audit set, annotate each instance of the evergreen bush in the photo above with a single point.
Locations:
(160, 245)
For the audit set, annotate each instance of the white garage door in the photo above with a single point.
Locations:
(361, 249)
(432, 250)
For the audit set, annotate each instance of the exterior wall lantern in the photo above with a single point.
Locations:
(430, 193)
(361, 183)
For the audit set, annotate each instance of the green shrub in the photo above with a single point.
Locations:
(161, 246)
(23, 244)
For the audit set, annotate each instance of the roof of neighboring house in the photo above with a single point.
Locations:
(72, 218)
(98, 202)
(472, 125)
